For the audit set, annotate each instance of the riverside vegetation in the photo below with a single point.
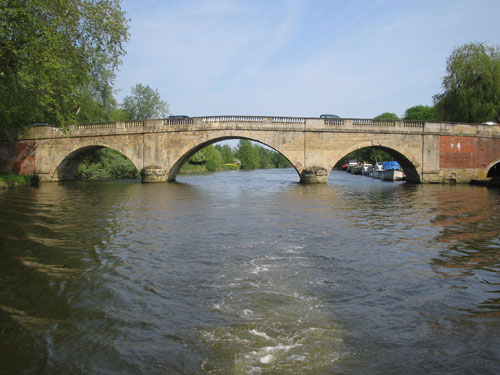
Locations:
(10, 180)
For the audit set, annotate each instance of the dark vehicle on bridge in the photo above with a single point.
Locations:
(328, 116)
(178, 117)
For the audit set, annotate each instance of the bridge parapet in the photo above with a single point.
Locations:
(263, 122)
(214, 119)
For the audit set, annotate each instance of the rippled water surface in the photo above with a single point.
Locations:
(250, 273)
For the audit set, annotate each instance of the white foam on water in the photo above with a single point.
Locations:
(261, 334)
(259, 269)
(266, 359)
(217, 306)
(247, 313)
(279, 326)
(280, 347)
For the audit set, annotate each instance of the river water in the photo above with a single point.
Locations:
(250, 273)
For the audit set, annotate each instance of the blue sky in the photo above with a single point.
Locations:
(298, 57)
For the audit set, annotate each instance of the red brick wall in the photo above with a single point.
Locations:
(467, 152)
(18, 157)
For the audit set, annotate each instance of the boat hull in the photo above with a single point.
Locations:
(393, 175)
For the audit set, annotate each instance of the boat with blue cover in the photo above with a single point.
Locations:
(392, 171)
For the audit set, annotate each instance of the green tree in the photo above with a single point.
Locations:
(387, 116)
(247, 154)
(105, 164)
(214, 159)
(279, 161)
(226, 153)
(366, 154)
(471, 87)
(265, 156)
(420, 112)
(144, 103)
(52, 50)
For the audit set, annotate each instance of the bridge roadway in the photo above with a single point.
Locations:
(428, 152)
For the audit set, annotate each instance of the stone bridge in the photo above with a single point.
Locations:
(428, 152)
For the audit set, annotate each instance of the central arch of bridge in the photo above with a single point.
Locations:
(174, 170)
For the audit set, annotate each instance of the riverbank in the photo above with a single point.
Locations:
(10, 180)
(202, 169)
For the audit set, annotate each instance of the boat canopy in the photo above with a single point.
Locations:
(388, 165)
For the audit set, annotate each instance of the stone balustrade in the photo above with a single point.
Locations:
(254, 122)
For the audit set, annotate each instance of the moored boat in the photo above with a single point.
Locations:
(392, 171)
(377, 171)
(367, 169)
(351, 166)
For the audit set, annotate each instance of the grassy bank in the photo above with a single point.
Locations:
(10, 180)
(202, 168)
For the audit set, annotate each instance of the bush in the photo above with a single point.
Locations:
(106, 164)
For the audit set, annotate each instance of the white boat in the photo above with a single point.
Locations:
(351, 166)
(367, 169)
(377, 171)
(392, 171)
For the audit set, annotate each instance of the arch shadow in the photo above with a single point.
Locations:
(493, 169)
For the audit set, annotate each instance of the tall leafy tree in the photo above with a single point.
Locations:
(51, 50)
(144, 103)
(420, 112)
(387, 116)
(471, 87)
(247, 154)
(226, 153)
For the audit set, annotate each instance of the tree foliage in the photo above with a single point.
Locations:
(106, 164)
(226, 153)
(245, 156)
(387, 116)
(53, 52)
(248, 155)
(366, 154)
(144, 103)
(420, 112)
(471, 87)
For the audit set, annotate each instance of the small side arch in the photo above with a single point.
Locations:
(67, 166)
(408, 164)
(174, 170)
(493, 169)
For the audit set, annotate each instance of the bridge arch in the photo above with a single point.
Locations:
(189, 152)
(493, 169)
(408, 163)
(67, 165)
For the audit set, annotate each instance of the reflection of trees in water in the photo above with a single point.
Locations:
(470, 223)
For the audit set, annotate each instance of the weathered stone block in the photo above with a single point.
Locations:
(314, 175)
(153, 173)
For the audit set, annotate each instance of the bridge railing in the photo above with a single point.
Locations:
(334, 121)
(100, 125)
(139, 125)
(289, 120)
(413, 124)
(367, 123)
(134, 124)
(212, 119)
(374, 123)
(178, 121)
